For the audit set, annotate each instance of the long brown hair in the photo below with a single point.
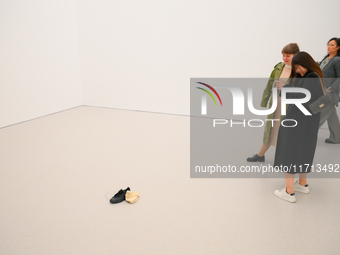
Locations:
(305, 60)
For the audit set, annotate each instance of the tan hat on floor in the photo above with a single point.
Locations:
(131, 197)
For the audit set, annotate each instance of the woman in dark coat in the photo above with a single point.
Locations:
(296, 145)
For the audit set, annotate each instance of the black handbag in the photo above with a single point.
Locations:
(321, 103)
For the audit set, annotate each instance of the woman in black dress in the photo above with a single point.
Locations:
(296, 145)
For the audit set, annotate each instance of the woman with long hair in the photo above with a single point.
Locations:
(297, 139)
(280, 73)
(330, 67)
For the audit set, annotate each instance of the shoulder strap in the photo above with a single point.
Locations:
(322, 86)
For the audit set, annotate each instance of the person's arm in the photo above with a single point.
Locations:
(335, 84)
(285, 86)
(279, 84)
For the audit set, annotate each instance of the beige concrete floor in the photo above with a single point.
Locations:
(57, 172)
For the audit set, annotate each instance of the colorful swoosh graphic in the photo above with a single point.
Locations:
(209, 92)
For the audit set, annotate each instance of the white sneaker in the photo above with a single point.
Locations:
(301, 188)
(282, 193)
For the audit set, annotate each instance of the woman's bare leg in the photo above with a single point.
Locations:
(289, 183)
(303, 179)
(263, 150)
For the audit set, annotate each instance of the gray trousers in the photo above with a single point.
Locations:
(333, 122)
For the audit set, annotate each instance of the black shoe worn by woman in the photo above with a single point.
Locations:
(256, 158)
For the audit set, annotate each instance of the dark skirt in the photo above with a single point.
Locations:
(296, 146)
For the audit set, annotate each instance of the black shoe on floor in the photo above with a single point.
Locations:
(256, 158)
(119, 197)
(329, 141)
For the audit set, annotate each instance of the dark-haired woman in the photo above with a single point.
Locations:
(281, 72)
(296, 144)
(330, 67)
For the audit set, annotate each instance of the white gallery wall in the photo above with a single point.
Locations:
(39, 59)
(140, 55)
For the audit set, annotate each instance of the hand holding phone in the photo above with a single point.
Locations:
(279, 84)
